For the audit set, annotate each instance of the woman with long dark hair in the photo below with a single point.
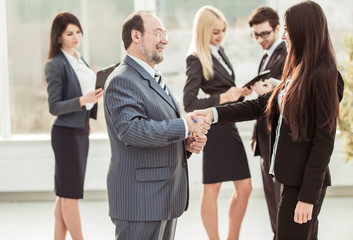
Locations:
(72, 99)
(302, 113)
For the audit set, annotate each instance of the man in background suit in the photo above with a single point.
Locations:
(264, 23)
(147, 177)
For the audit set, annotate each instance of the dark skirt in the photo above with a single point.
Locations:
(224, 157)
(70, 147)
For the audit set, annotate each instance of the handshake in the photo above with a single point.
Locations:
(198, 122)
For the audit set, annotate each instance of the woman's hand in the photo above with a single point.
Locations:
(303, 212)
(234, 93)
(231, 95)
(91, 97)
(247, 91)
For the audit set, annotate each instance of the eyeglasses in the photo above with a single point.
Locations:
(263, 35)
(159, 34)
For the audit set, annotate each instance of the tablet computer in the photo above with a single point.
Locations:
(262, 75)
(103, 74)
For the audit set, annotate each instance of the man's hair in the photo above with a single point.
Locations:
(133, 22)
(263, 14)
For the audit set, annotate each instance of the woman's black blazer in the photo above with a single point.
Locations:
(302, 164)
(219, 83)
(64, 91)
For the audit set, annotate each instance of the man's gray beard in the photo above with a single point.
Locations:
(154, 57)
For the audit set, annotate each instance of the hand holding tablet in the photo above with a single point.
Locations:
(262, 75)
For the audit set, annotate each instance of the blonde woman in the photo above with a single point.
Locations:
(224, 158)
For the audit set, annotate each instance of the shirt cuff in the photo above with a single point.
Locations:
(215, 114)
(186, 128)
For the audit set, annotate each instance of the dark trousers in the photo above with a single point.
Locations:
(272, 189)
(149, 230)
(287, 229)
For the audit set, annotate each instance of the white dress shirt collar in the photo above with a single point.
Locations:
(215, 53)
(144, 65)
(214, 49)
(273, 48)
(71, 58)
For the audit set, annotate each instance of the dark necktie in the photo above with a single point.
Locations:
(262, 65)
(160, 81)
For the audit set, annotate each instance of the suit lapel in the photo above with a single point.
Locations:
(152, 83)
(219, 68)
(274, 56)
(225, 58)
(72, 72)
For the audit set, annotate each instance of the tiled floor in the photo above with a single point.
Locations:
(34, 220)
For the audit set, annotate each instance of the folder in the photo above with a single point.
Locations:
(103, 74)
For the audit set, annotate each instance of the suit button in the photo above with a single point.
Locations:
(184, 164)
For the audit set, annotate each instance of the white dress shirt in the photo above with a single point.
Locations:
(215, 53)
(270, 52)
(86, 77)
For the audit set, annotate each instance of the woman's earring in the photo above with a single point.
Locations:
(59, 41)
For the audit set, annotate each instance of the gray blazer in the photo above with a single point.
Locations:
(64, 91)
(147, 177)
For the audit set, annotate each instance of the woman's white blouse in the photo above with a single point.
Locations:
(86, 77)
(214, 52)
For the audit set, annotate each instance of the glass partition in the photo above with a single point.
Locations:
(29, 24)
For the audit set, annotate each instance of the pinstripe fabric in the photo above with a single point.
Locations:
(152, 230)
(147, 177)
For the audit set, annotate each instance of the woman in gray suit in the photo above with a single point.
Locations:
(224, 157)
(72, 100)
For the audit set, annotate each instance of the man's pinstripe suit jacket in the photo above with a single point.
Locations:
(147, 177)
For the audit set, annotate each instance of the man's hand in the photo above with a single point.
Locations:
(198, 125)
(208, 113)
(195, 144)
(262, 87)
(303, 212)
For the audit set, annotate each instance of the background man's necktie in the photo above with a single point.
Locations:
(160, 81)
(263, 60)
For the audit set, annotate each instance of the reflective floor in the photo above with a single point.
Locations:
(35, 220)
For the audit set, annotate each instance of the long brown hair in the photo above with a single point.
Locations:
(59, 25)
(312, 65)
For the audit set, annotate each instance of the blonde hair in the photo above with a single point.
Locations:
(204, 21)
